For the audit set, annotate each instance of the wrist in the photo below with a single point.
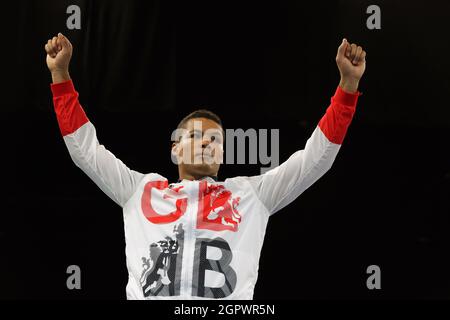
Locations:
(59, 76)
(349, 85)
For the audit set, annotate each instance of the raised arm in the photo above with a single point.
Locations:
(110, 174)
(283, 184)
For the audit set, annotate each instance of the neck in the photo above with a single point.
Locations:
(188, 176)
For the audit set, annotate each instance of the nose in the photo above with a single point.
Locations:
(205, 142)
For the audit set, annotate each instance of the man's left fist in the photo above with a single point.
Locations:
(351, 61)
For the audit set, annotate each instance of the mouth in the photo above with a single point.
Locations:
(204, 158)
(204, 155)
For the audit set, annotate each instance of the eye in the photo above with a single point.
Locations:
(196, 135)
(217, 139)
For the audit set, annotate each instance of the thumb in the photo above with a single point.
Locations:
(65, 43)
(342, 47)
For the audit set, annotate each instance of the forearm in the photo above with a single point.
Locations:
(60, 76)
(349, 85)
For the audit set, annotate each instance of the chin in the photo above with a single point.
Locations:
(203, 169)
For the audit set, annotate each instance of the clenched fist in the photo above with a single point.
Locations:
(59, 53)
(351, 61)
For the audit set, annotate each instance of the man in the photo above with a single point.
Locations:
(199, 238)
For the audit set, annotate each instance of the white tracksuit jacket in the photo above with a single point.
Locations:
(197, 239)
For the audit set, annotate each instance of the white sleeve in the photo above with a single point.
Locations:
(280, 186)
(110, 174)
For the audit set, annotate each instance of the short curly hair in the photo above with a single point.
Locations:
(201, 113)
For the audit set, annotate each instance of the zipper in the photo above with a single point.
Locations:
(189, 242)
(193, 227)
(186, 250)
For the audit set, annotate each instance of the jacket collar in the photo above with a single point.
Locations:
(210, 179)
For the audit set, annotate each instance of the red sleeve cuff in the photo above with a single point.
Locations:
(346, 98)
(62, 88)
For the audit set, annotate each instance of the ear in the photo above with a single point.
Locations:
(174, 153)
(174, 150)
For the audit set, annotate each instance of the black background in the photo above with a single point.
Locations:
(141, 66)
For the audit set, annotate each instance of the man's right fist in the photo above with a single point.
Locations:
(59, 52)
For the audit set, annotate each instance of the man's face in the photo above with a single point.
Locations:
(199, 151)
